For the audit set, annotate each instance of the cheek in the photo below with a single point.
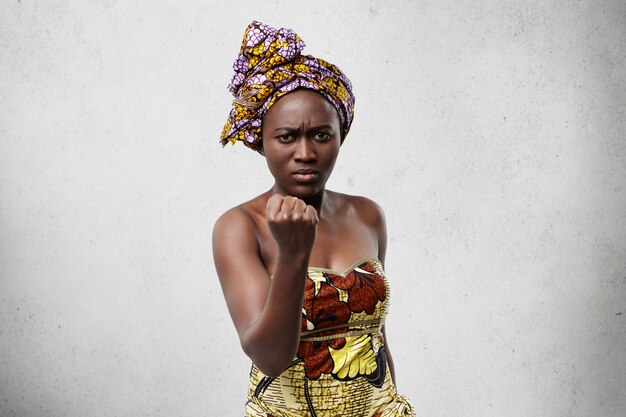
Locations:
(332, 165)
(270, 165)
(331, 156)
(334, 150)
(274, 162)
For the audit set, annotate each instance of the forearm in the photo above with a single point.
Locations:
(271, 341)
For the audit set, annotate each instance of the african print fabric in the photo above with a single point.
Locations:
(340, 368)
(269, 66)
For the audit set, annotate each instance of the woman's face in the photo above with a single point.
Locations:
(301, 140)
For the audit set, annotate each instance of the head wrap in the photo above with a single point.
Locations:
(269, 66)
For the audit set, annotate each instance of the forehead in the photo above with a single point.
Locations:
(302, 104)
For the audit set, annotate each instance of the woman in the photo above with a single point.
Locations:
(315, 334)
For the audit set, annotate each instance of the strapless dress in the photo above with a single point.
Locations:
(340, 368)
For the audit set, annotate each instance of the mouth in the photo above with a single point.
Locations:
(305, 175)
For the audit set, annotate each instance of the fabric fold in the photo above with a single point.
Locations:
(270, 65)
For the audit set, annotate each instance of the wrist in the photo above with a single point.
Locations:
(293, 258)
(292, 263)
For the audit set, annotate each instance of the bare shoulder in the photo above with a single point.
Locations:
(238, 218)
(242, 216)
(367, 210)
(235, 232)
(369, 214)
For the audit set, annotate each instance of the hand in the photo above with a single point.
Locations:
(292, 222)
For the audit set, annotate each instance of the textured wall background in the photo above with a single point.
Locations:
(493, 133)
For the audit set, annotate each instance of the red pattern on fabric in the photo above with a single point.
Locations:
(365, 289)
(324, 309)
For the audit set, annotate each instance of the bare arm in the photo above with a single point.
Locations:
(266, 311)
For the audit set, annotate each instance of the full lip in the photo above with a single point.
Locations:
(305, 175)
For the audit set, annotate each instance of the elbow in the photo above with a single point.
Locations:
(271, 361)
(269, 370)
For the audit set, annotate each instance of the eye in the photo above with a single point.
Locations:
(322, 136)
(286, 138)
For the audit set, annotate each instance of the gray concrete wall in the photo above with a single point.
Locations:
(492, 133)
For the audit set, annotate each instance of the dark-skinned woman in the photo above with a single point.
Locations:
(301, 267)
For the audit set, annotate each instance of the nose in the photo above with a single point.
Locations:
(305, 150)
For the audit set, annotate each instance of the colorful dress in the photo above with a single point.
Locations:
(340, 368)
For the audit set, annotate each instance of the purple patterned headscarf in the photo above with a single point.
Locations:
(269, 66)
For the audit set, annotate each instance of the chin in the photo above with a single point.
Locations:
(304, 191)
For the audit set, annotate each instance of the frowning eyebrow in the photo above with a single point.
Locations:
(293, 129)
(287, 128)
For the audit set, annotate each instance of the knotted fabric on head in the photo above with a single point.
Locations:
(269, 66)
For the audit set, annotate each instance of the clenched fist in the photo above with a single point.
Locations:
(292, 222)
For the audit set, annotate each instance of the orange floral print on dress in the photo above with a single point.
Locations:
(364, 286)
(323, 309)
